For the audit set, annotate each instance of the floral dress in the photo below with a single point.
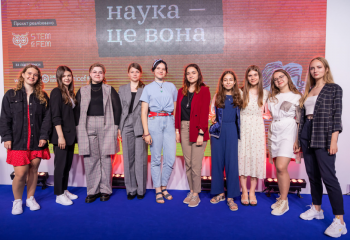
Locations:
(252, 145)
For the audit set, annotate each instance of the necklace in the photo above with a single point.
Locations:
(161, 86)
(96, 90)
(189, 99)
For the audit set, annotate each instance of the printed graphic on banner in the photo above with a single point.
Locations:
(37, 39)
(159, 27)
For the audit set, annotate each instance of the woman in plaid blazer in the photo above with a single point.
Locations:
(320, 125)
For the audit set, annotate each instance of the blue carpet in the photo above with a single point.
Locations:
(120, 218)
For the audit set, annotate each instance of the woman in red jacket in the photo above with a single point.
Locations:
(191, 123)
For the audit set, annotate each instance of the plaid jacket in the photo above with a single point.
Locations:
(110, 142)
(326, 117)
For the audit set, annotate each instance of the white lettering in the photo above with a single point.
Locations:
(199, 34)
(144, 15)
(110, 31)
(159, 11)
(176, 12)
(170, 33)
(148, 35)
(132, 13)
(126, 36)
(110, 12)
(187, 34)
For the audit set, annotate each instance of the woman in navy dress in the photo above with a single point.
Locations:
(224, 114)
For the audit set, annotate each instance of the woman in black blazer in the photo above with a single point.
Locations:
(320, 125)
(63, 135)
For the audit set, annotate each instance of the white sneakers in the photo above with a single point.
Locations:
(63, 200)
(312, 213)
(273, 206)
(336, 229)
(17, 207)
(70, 195)
(280, 208)
(66, 198)
(32, 204)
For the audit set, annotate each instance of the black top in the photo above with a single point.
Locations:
(96, 104)
(14, 120)
(116, 105)
(61, 114)
(133, 95)
(186, 106)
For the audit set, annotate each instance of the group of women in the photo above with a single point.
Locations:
(158, 115)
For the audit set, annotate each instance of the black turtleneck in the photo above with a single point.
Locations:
(96, 103)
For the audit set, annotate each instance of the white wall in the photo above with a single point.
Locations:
(337, 53)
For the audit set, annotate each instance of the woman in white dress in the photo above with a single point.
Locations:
(283, 104)
(252, 144)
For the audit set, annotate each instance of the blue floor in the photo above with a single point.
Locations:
(120, 218)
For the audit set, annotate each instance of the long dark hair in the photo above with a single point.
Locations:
(138, 67)
(38, 86)
(221, 95)
(186, 83)
(247, 87)
(59, 75)
(157, 62)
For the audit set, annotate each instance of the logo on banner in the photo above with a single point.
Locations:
(20, 40)
(45, 78)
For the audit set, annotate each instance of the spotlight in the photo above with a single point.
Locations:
(206, 182)
(296, 185)
(118, 181)
(42, 178)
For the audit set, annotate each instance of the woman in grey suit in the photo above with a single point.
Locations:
(130, 130)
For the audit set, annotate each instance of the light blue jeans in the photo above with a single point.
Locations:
(162, 130)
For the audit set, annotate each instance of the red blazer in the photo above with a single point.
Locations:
(199, 113)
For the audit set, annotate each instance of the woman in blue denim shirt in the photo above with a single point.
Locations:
(157, 116)
(225, 132)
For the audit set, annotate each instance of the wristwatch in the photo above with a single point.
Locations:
(201, 134)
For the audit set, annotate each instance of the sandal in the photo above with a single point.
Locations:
(232, 205)
(245, 202)
(217, 199)
(167, 196)
(159, 199)
(253, 202)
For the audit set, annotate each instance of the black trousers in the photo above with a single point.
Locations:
(63, 163)
(321, 166)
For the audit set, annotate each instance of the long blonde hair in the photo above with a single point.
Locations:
(38, 86)
(310, 82)
(275, 90)
(247, 87)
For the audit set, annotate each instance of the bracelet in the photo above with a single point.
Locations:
(145, 135)
(201, 134)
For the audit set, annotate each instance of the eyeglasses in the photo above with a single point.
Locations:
(279, 78)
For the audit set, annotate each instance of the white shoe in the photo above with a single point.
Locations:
(63, 199)
(32, 204)
(281, 208)
(17, 207)
(336, 229)
(70, 195)
(273, 206)
(312, 213)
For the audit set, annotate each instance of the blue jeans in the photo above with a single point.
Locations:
(162, 130)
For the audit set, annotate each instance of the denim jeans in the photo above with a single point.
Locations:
(162, 130)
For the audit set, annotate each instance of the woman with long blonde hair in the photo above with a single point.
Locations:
(251, 146)
(283, 104)
(25, 125)
(320, 125)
